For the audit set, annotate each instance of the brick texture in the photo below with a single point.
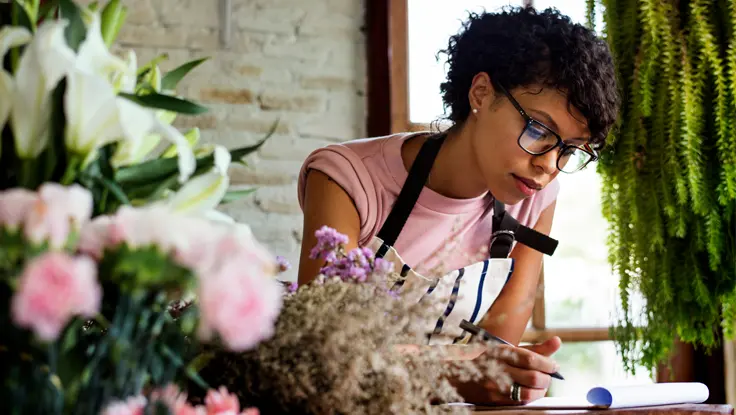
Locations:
(301, 62)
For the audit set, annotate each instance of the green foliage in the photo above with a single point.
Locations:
(670, 173)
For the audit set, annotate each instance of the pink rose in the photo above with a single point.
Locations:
(52, 289)
(132, 406)
(57, 211)
(240, 303)
(14, 206)
(141, 228)
(221, 402)
(95, 237)
(211, 245)
(176, 401)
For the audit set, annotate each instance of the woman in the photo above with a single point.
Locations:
(529, 94)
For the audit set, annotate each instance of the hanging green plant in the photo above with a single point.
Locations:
(669, 175)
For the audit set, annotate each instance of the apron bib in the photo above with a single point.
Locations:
(469, 292)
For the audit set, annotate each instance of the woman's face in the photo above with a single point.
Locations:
(510, 173)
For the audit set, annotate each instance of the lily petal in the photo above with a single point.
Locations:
(135, 120)
(187, 163)
(201, 193)
(6, 90)
(222, 160)
(11, 37)
(131, 152)
(217, 216)
(91, 110)
(94, 57)
(125, 81)
(44, 62)
(49, 52)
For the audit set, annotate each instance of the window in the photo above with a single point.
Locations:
(581, 317)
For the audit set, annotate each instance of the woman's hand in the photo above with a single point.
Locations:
(528, 366)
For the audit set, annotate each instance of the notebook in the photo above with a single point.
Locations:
(602, 397)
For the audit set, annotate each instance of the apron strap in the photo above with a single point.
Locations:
(418, 175)
(507, 229)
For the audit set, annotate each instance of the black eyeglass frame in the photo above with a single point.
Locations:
(560, 143)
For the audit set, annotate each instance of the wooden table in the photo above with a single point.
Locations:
(699, 409)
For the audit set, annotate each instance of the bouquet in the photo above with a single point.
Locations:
(114, 262)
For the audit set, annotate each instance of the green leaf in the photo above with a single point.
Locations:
(48, 9)
(172, 78)
(113, 18)
(160, 169)
(114, 189)
(76, 31)
(156, 190)
(147, 172)
(238, 154)
(22, 16)
(233, 195)
(143, 70)
(166, 102)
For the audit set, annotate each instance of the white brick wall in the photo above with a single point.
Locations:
(300, 61)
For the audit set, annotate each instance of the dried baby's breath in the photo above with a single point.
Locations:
(334, 352)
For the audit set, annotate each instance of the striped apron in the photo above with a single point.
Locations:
(466, 293)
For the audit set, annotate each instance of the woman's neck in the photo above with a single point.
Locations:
(455, 172)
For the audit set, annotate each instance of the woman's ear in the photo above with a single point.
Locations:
(481, 93)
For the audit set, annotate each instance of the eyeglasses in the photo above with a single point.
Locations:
(537, 139)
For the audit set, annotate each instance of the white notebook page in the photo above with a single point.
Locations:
(631, 396)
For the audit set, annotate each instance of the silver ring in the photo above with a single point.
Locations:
(516, 392)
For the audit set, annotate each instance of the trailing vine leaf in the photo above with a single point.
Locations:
(669, 176)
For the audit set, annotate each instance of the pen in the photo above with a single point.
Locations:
(475, 330)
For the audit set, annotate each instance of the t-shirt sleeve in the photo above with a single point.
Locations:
(528, 211)
(346, 168)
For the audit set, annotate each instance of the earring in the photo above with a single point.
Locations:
(475, 110)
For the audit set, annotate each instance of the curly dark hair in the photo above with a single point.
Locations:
(520, 46)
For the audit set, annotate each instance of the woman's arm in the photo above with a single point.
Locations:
(325, 203)
(511, 311)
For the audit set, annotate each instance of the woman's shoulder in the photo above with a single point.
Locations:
(360, 148)
(357, 166)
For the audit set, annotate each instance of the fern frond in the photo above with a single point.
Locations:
(671, 239)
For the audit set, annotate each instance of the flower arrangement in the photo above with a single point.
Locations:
(346, 343)
(106, 243)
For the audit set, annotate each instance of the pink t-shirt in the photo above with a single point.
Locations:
(442, 233)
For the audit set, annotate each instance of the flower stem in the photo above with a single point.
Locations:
(27, 174)
(71, 170)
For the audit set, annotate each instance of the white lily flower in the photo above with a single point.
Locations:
(91, 113)
(10, 37)
(204, 192)
(187, 162)
(44, 62)
(96, 116)
(94, 57)
(132, 152)
(125, 80)
(13, 36)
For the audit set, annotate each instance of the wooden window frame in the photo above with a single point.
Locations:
(388, 82)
